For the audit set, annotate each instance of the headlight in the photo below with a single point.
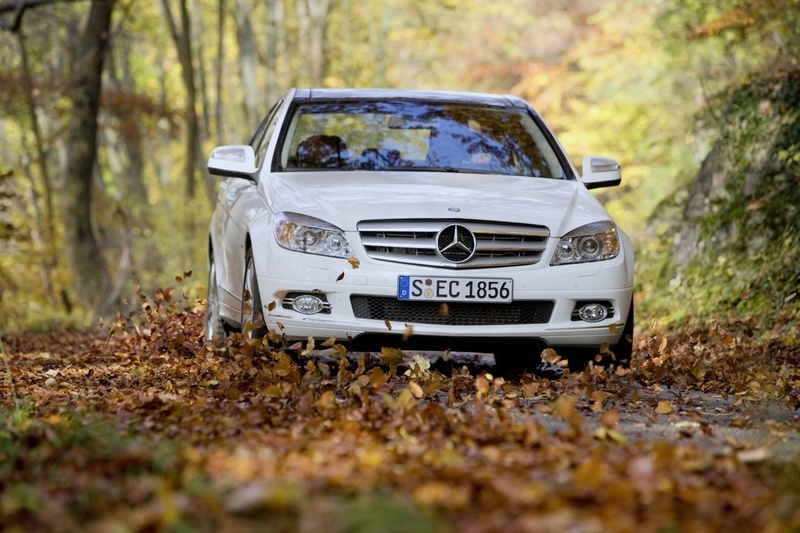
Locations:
(301, 233)
(594, 242)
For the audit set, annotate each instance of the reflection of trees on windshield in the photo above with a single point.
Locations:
(379, 135)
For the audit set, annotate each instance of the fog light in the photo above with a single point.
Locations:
(593, 312)
(308, 304)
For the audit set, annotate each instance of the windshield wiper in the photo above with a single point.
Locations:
(454, 170)
(427, 169)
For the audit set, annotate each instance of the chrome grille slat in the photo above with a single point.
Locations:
(388, 226)
(399, 242)
(415, 242)
(512, 246)
(528, 231)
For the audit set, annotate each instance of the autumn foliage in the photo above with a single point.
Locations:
(140, 425)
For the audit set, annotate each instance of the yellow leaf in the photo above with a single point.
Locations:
(609, 419)
(330, 341)
(272, 390)
(391, 356)
(420, 368)
(309, 351)
(405, 399)
(415, 389)
(283, 367)
(326, 401)
(664, 408)
(354, 262)
(376, 377)
(341, 351)
(564, 408)
(611, 434)
(481, 386)
(591, 474)
(635, 398)
(408, 332)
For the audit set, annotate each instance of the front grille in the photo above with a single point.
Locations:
(418, 242)
(458, 313)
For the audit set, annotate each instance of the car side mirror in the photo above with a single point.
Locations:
(600, 172)
(235, 161)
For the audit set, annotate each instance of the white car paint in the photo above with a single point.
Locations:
(255, 191)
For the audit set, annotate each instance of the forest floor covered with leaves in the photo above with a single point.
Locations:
(140, 425)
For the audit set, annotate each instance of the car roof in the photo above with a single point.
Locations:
(411, 94)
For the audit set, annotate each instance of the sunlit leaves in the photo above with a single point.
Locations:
(264, 433)
(419, 368)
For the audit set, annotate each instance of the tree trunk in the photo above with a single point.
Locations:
(272, 51)
(125, 150)
(249, 64)
(220, 73)
(317, 15)
(302, 68)
(90, 275)
(198, 29)
(183, 43)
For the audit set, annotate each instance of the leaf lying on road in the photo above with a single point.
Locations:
(145, 426)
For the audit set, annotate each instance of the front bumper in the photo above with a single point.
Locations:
(282, 272)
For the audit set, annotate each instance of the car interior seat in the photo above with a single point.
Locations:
(321, 151)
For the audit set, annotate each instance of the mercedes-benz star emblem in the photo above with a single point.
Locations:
(456, 243)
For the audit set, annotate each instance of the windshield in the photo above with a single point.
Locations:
(409, 135)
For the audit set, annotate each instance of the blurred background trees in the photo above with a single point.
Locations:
(646, 82)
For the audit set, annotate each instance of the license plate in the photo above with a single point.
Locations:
(442, 289)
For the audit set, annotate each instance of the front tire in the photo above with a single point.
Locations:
(520, 356)
(253, 325)
(623, 350)
(618, 355)
(214, 326)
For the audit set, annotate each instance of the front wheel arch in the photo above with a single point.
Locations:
(252, 317)
(214, 325)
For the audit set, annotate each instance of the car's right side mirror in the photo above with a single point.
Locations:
(235, 161)
(600, 172)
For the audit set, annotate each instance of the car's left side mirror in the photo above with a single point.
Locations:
(600, 172)
(235, 161)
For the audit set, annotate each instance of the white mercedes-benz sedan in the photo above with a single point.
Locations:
(417, 219)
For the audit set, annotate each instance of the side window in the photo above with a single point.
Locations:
(264, 134)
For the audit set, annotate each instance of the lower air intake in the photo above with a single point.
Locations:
(457, 313)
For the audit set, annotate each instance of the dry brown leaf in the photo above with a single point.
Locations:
(481, 386)
(564, 408)
(609, 419)
(330, 341)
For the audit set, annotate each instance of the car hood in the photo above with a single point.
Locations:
(346, 198)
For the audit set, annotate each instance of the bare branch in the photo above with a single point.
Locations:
(18, 9)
